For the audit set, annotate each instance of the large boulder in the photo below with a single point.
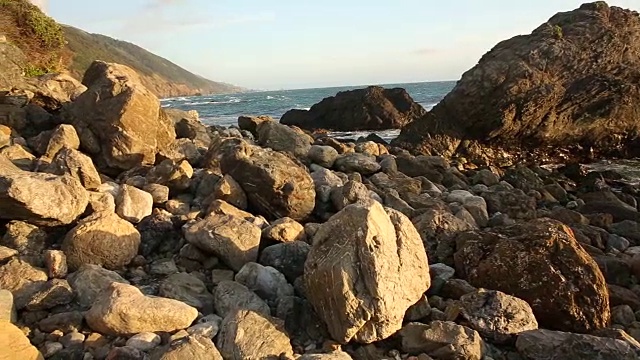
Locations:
(283, 138)
(276, 185)
(123, 310)
(14, 344)
(118, 119)
(52, 91)
(372, 108)
(569, 85)
(366, 268)
(542, 263)
(38, 198)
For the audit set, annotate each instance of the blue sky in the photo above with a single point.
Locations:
(302, 43)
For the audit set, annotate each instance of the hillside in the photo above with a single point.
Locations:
(52, 47)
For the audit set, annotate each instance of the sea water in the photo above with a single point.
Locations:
(224, 110)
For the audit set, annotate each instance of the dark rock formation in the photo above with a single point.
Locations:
(569, 89)
(373, 108)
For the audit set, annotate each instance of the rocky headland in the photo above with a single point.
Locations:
(130, 231)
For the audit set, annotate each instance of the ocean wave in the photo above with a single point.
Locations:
(230, 101)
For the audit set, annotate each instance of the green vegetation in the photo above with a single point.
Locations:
(34, 23)
(558, 31)
(34, 71)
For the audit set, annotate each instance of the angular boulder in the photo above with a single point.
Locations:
(372, 108)
(38, 198)
(442, 340)
(123, 310)
(561, 89)
(366, 268)
(283, 138)
(118, 119)
(542, 263)
(276, 185)
(77, 165)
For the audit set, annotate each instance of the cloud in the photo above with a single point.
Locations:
(42, 4)
(425, 51)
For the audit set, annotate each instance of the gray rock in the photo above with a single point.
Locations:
(65, 322)
(324, 156)
(265, 281)
(232, 239)
(335, 355)
(546, 345)
(53, 293)
(440, 274)
(498, 317)
(287, 258)
(23, 280)
(485, 177)
(220, 275)
(239, 331)
(622, 315)
(325, 181)
(90, 281)
(230, 296)
(357, 162)
(144, 341)
(133, 204)
(437, 228)
(188, 289)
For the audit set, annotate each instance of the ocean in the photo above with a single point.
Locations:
(224, 110)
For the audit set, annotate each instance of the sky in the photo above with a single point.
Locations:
(288, 44)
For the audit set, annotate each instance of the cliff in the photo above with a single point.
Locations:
(49, 47)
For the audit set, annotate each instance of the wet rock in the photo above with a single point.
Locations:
(542, 263)
(545, 344)
(38, 198)
(230, 296)
(239, 330)
(265, 281)
(102, 239)
(123, 310)
(232, 239)
(276, 186)
(498, 317)
(442, 340)
(383, 245)
(91, 280)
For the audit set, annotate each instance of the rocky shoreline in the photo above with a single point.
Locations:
(128, 231)
(131, 232)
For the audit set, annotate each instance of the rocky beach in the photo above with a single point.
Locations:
(133, 231)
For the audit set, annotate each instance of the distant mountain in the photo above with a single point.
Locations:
(52, 47)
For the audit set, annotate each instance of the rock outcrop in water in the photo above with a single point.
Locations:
(571, 88)
(373, 108)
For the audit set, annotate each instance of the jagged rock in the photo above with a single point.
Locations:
(442, 340)
(325, 181)
(175, 175)
(545, 344)
(15, 344)
(27, 239)
(250, 123)
(77, 165)
(437, 229)
(232, 239)
(123, 310)
(22, 279)
(276, 186)
(542, 263)
(90, 281)
(19, 156)
(352, 193)
(179, 150)
(192, 128)
(230, 296)
(133, 204)
(544, 91)
(188, 289)
(284, 230)
(99, 202)
(192, 348)
(496, 316)
(38, 198)
(324, 156)
(52, 91)
(101, 239)
(239, 331)
(364, 253)
(372, 108)
(227, 189)
(265, 281)
(158, 234)
(118, 119)
(283, 138)
(287, 258)
(159, 193)
(64, 136)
